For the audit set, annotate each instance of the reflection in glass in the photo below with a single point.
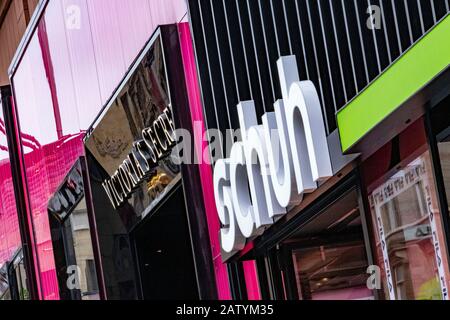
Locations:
(405, 211)
(334, 272)
(78, 226)
(21, 279)
(444, 156)
(74, 255)
(329, 255)
(4, 284)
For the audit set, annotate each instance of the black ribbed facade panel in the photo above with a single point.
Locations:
(238, 43)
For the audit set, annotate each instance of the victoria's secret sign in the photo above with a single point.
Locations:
(156, 143)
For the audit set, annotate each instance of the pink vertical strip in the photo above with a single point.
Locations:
(251, 280)
(205, 169)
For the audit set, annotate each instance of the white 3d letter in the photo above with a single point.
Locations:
(306, 128)
(280, 161)
(231, 237)
(242, 201)
(265, 205)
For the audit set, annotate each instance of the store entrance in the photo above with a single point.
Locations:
(164, 253)
(325, 258)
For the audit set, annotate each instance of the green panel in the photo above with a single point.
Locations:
(411, 72)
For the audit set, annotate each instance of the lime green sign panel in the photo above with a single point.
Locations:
(411, 72)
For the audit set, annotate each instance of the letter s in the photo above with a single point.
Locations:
(231, 237)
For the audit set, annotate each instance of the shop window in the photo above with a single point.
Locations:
(407, 222)
(21, 278)
(332, 272)
(13, 280)
(71, 237)
(75, 256)
(325, 256)
(4, 284)
(441, 125)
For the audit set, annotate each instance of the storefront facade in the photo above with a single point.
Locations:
(361, 219)
(347, 201)
(13, 279)
(404, 156)
(87, 241)
(148, 209)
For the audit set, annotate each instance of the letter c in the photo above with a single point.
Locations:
(240, 192)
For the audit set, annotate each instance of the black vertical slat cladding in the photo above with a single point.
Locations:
(405, 38)
(358, 55)
(261, 54)
(441, 9)
(237, 51)
(243, 20)
(415, 18)
(296, 36)
(380, 39)
(335, 61)
(280, 25)
(224, 65)
(238, 43)
(427, 14)
(272, 47)
(219, 102)
(408, 20)
(305, 27)
(329, 103)
(339, 53)
(345, 50)
(391, 29)
(385, 31)
(202, 54)
(369, 45)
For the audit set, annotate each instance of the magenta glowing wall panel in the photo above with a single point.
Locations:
(9, 225)
(77, 56)
(205, 169)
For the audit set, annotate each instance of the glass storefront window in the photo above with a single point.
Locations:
(13, 279)
(74, 255)
(71, 237)
(409, 237)
(444, 156)
(21, 279)
(325, 257)
(4, 284)
(332, 272)
(78, 227)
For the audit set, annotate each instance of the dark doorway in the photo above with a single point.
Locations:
(164, 253)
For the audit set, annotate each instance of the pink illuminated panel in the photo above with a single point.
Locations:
(9, 226)
(205, 169)
(251, 280)
(73, 62)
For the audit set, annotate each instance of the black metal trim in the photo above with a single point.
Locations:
(137, 269)
(278, 232)
(191, 184)
(19, 192)
(369, 230)
(236, 278)
(438, 178)
(93, 228)
(287, 267)
(261, 271)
